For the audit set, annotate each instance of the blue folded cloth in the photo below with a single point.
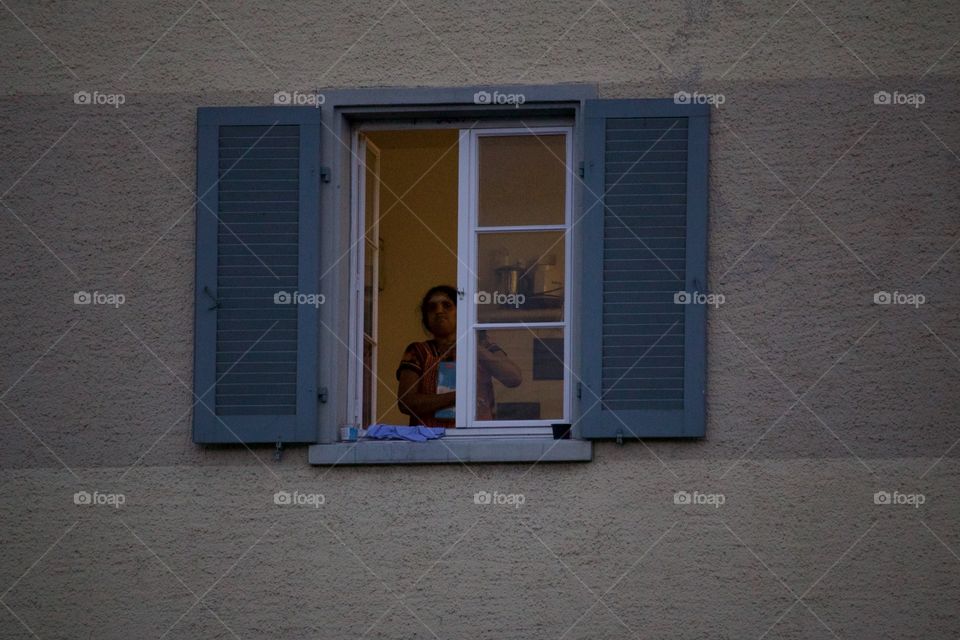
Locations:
(398, 432)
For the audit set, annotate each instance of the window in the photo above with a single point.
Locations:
(516, 220)
(570, 226)
(487, 210)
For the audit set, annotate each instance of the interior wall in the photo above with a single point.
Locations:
(418, 229)
(546, 391)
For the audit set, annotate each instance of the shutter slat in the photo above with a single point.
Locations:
(254, 165)
(247, 210)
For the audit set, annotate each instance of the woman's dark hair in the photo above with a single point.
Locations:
(446, 290)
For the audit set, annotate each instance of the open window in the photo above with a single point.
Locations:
(488, 211)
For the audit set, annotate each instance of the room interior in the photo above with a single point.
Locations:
(417, 236)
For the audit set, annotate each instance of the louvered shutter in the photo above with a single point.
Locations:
(255, 369)
(644, 240)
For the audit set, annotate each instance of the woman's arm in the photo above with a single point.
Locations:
(500, 366)
(418, 405)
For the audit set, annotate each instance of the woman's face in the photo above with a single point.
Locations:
(441, 315)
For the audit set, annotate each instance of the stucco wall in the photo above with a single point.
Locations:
(97, 398)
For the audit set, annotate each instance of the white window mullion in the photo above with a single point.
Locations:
(521, 228)
(519, 325)
(568, 287)
(465, 284)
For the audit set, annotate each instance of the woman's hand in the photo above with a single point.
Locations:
(420, 405)
(499, 365)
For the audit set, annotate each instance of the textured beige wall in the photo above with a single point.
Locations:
(97, 398)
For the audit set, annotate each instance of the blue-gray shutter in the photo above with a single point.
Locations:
(255, 361)
(644, 240)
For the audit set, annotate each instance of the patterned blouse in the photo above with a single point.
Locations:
(423, 357)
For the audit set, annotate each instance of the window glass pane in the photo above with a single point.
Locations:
(520, 276)
(521, 180)
(371, 186)
(520, 374)
(368, 284)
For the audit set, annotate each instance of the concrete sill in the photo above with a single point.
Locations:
(452, 450)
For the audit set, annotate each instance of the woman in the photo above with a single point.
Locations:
(417, 374)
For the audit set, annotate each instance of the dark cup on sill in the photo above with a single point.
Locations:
(561, 431)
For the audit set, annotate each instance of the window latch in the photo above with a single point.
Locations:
(461, 293)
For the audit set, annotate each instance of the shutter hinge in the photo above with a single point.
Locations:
(581, 170)
(324, 174)
(322, 394)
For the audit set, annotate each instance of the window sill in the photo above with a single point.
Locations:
(452, 450)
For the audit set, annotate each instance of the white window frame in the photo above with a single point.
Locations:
(469, 231)
(357, 263)
(529, 126)
(375, 292)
